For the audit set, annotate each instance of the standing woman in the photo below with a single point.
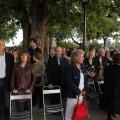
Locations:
(23, 79)
(76, 82)
(40, 82)
(112, 87)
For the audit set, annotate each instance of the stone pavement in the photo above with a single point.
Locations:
(94, 112)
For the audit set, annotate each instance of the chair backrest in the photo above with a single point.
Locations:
(56, 89)
(100, 82)
(18, 97)
(91, 83)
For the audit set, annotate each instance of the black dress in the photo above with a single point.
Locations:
(112, 88)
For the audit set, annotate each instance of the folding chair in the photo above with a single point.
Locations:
(100, 82)
(26, 115)
(91, 83)
(52, 108)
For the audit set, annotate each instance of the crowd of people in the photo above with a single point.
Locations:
(23, 72)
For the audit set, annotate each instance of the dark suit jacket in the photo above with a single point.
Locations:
(55, 73)
(31, 51)
(112, 80)
(73, 80)
(9, 59)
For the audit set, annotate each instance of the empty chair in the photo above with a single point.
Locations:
(48, 108)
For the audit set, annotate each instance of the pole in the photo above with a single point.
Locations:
(84, 32)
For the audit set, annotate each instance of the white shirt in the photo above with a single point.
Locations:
(2, 66)
(81, 84)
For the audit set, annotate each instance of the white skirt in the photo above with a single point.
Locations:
(70, 105)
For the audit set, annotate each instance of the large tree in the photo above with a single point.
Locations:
(40, 17)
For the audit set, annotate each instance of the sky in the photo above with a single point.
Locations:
(16, 40)
(19, 38)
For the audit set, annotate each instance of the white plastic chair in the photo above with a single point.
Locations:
(48, 109)
(26, 115)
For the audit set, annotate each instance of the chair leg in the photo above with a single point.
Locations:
(62, 115)
(44, 116)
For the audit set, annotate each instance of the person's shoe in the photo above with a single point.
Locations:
(59, 113)
(33, 104)
(54, 113)
(116, 115)
(109, 118)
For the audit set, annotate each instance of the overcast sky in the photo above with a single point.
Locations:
(17, 39)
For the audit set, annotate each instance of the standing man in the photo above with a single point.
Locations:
(6, 64)
(33, 48)
(56, 69)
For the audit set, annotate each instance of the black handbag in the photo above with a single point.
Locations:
(38, 80)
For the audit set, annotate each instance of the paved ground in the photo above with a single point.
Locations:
(94, 112)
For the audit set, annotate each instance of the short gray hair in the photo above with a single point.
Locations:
(76, 54)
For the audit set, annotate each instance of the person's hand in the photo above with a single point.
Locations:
(83, 93)
(50, 86)
(101, 67)
(28, 91)
(15, 91)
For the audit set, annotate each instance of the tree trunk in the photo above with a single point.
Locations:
(39, 24)
(25, 24)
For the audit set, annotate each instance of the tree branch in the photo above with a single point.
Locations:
(75, 41)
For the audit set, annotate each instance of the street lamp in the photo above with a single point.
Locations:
(84, 4)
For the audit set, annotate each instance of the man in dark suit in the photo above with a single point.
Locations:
(33, 48)
(6, 64)
(56, 69)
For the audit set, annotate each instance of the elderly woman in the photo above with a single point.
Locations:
(76, 82)
(90, 65)
(112, 87)
(39, 71)
(101, 62)
(23, 79)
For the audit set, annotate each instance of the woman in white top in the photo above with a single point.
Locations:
(76, 82)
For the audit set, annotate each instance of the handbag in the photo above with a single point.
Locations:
(80, 111)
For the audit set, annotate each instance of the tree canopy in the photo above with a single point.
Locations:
(38, 18)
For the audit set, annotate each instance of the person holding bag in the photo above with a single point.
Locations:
(76, 82)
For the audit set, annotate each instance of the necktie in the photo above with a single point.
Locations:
(32, 49)
(58, 61)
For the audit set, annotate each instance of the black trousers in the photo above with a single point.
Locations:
(113, 104)
(38, 96)
(4, 99)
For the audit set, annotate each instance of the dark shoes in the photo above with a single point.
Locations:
(116, 115)
(109, 118)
